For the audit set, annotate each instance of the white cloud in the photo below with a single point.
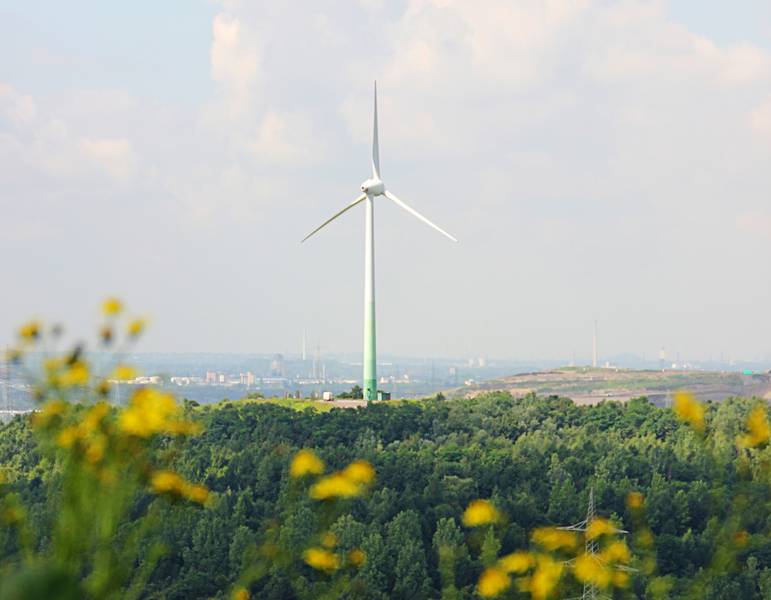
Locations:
(286, 139)
(43, 140)
(234, 63)
(755, 223)
(18, 108)
(327, 30)
(460, 68)
(760, 118)
(114, 156)
(244, 117)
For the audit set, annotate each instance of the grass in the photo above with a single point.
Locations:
(292, 403)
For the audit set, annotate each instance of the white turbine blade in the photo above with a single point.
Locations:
(375, 144)
(409, 209)
(333, 217)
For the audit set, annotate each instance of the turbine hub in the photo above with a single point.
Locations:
(373, 187)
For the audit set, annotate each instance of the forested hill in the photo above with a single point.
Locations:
(535, 458)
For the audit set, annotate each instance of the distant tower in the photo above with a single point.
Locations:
(317, 362)
(594, 346)
(662, 358)
(304, 354)
(277, 366)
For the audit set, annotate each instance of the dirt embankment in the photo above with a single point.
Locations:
(591, 386)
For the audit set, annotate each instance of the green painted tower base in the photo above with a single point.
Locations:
(369, 375)
(370, 389)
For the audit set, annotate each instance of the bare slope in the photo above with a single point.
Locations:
(590, 386)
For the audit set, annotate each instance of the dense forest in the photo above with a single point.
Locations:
(535, 458)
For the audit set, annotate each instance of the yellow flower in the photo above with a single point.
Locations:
(112, 307)
(75, 374)
(67, 437)
(50, 410)
(644, 538)
(599, 527)
(52, 368)
(620, 579)
(169, 482)
(334, 486)
(321, 560)
(306, 462)
(240, 594)
(50, 365)
(492, 582)
(95, 415)
(136, 327)
(329, 540)
(357, 557)
(95, 449)
(164, 482)
(589, 569)
(552, 538)
(360, 472)
(635, 500)
(197, 493)
(616, 552)
(348, 483)
(124, 372)
(150, 412)
(758, 428)
(30, 331)
(516, 562)
(545, 578)
(688, 409)
(480, 512)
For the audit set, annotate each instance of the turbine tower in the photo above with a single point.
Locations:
(373, 188)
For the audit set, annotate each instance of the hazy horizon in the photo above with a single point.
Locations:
(597, 160)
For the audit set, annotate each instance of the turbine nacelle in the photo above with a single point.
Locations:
(373, 187)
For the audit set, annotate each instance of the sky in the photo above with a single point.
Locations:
(602, 160)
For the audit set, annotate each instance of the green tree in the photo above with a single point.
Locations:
(405, 544)
(452, 556)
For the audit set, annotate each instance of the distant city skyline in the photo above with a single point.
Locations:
(597, 160)
(213, 377)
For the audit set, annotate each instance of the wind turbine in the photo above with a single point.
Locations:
(373, 188)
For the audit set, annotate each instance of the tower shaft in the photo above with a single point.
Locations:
(370, 357)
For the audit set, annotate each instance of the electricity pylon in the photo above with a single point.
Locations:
(591, 548)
